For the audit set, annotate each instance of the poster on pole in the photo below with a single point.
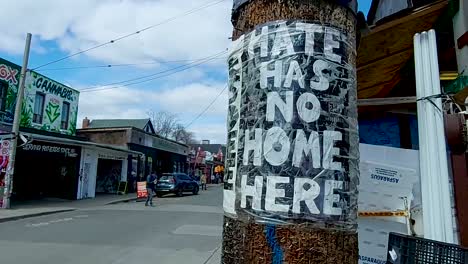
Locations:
(4, 160)
(292, 126)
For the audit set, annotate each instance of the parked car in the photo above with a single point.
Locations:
(176, 183)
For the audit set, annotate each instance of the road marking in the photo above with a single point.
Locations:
(55, 221)
(200, 230)
(61, 220)
(81, 216)
(38, 224)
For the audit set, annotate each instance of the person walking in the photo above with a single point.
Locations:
(203, 181)
(150, 188)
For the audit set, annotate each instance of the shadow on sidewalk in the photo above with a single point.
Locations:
(33, 208)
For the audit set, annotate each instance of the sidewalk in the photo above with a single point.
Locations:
(27, 209)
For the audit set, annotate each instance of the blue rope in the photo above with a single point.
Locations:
(270, 233)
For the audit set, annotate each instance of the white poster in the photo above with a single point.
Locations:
(389, 182)
(292, 126)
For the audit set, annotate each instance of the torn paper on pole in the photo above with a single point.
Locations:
(292, 126)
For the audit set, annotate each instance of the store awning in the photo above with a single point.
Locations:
(386, 49)
(73, 142)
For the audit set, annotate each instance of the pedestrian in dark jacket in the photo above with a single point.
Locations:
(151, 187)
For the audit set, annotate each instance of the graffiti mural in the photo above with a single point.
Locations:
(109, 174)
(9, 74)
(85, 180)
(55, 96)
(9, 79)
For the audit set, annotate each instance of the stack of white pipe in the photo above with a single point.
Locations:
(435, 191)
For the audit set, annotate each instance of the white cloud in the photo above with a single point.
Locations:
(185, 101)
(77, 25)
(45, 19)
(216, 133)
(117, 103)
(193, 99)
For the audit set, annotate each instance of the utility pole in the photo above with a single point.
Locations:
(292, 163)
(16, 124)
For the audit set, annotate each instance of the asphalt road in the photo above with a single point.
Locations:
(177, 230)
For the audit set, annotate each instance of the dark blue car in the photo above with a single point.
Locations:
(176, 183)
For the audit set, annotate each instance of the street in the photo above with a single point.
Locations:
(177, 230)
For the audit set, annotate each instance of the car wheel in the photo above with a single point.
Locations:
(195, 191)
(179, 193)
(159, 194)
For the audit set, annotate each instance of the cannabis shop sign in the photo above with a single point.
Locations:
(56, 97)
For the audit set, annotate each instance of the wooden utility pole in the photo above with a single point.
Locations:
(290, 188)
(16, 125)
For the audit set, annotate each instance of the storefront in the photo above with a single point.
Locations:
(106, 169)
(160, 161)
(47, 165)
(69, 168)
(46, 169)
(160, 155)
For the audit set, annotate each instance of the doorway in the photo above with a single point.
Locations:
(109, 174)
(40, 174)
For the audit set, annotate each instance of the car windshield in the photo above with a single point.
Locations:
(166, 178)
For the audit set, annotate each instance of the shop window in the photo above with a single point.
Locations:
(38, 108)
(3, 95)
(65, 115)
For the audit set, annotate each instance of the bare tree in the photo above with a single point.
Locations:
(164, 122)
(167, 125)
(180, 134)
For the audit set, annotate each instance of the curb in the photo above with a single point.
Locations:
(213, 258)
(19, 217)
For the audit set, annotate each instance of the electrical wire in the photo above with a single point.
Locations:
(180, 69)
(112, 41)
(203, 60)
(120, 65)
(206, 109)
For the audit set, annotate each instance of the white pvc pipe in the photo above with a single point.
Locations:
(423, 150)
(442, 148)
(431, 136)
(437, 208)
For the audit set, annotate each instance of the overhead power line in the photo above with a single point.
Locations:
(191, 11)
(120, 65)
(207, 107)
(146, 78)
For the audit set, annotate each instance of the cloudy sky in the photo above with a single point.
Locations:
(183, 55)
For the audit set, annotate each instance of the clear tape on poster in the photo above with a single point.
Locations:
(292, 152)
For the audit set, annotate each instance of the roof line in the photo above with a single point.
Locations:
(413, 14)
(129, 127)
(78, 142)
